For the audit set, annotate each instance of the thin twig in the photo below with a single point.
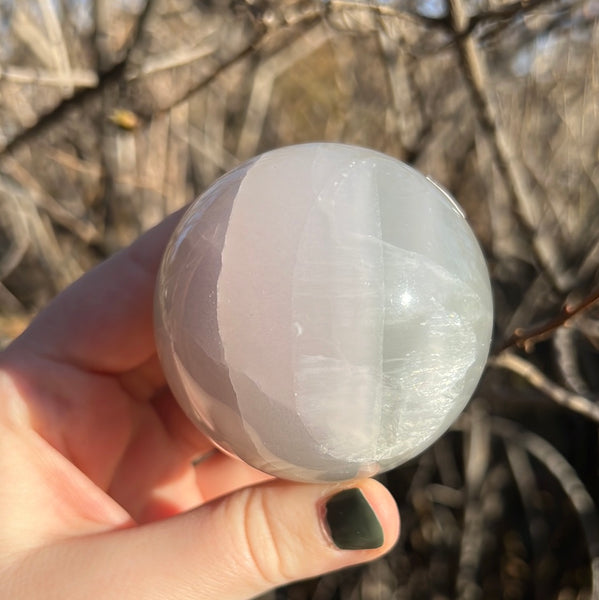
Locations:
(176, 192)
(57, 42)
(569, 481)
(105, 78)
(526, 210)
(74, 163)
(264, 79)
(154, 163)
(85, 231)
(12, 256)
(524, 477)
(537, 379)
(500, 15)
(178, 58)
(477, 462)
(381, 10)
(530, 303)
(567, 359)
(24, 27)
(244, 53)
(74, 78)
(526, 338)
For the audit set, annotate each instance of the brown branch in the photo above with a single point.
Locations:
(105, 77)
(55, 114)
(84, 230)
(477, 465)
(176, 58)
(528, 337)
(498, 16)
(261, 37)
(244, 53)
(528, 213)
(502, 14)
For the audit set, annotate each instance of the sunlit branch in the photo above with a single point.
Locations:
(538, 380)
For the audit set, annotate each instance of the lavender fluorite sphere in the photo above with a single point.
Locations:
(323, 312)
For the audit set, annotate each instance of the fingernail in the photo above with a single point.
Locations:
(351, 521)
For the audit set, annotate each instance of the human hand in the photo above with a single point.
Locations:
(101, 496)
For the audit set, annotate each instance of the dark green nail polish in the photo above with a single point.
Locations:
(351, 521)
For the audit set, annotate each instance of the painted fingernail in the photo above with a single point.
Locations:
(351, 522)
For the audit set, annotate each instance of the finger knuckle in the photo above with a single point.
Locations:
(264, 538)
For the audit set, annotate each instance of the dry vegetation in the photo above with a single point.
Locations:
(113, 114)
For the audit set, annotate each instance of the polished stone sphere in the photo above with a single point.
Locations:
(323, 312)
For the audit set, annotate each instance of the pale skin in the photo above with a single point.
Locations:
(100, 497)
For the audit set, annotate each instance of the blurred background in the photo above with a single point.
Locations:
(115, 113)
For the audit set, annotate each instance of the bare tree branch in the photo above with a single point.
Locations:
(527, 337)
(477, 463)
(536, 378)
(559, 467)
(105, 78)
(74, 78)
(57, 42)
(525, 207)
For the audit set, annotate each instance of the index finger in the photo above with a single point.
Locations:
(104, 321)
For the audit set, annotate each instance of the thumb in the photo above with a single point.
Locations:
(234, 548)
